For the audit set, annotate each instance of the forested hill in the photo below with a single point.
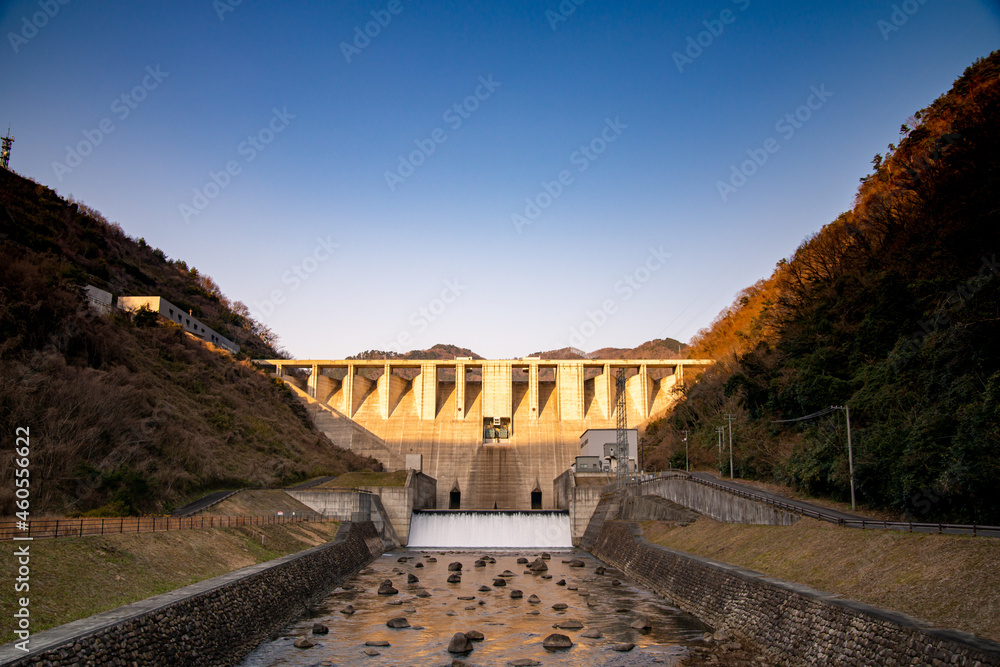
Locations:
(128, 415)
(893, 310)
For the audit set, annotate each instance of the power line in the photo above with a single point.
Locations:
(850, 447)
(820, 413)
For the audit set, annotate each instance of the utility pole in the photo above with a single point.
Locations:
(730, 418)
(687, 460)
(621, 432)
(850, 450)
(720, 430)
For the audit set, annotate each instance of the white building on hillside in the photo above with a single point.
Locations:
(192, 325)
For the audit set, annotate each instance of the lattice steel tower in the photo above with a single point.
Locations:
(5, 151)
(621, 450)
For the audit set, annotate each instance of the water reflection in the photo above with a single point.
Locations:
(513, 628)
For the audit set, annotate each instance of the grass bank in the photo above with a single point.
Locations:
(353, 480)
(951, 581)
(73, 578)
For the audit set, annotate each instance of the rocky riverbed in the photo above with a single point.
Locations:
(510, 607)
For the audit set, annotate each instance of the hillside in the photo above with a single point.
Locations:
(658, 348)
(131, 416)
(439, 351)
(892, 309)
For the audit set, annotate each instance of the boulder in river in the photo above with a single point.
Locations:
(556, 641)
(455, 578)
(641, 623)
(411, 579)
(516, 594)
(533, 599)
(386, 588)
(398, 622)
(302, 642)
(475, 636)
(455, 567)
(320, 629)
(459, 643)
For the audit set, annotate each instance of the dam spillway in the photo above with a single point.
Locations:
(490, 529)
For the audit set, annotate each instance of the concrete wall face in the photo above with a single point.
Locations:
(714, 503)
(792, 624)
(437, 409)
(215, 622)
(580, 500)
(394, 507)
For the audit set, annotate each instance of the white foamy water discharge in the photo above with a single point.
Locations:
(454, 529)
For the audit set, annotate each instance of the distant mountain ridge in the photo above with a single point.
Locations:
(660, 348)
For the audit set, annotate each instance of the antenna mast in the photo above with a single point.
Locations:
(5, 151)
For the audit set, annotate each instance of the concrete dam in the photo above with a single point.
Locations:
(493, 434)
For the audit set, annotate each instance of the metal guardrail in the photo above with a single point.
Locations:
(211, 504)
(81, 527)
(862, 523)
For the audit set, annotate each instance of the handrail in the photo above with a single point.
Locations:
(861, 522)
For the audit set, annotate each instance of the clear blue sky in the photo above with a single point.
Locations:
(637, 239)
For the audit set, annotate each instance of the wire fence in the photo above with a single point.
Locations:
(860, 522)
(42, 528)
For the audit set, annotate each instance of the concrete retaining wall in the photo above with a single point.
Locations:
(579, 500)
(351, 505)
(396, 503)
(654, 508)
(214, 622)
(711, 502)
(792, 624)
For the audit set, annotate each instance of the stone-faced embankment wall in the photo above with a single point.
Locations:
(792, 624)
(214, 622)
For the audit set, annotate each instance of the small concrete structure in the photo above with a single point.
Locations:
(99, 300)
(398, 502)
(169, 311)
(603, 444)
